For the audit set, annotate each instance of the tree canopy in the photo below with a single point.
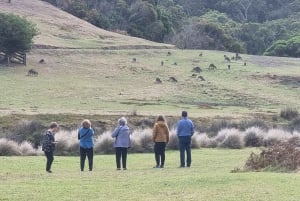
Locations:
(16, 34)
(250, 26)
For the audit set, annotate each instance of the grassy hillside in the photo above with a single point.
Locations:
(59, 29)
(95, 78)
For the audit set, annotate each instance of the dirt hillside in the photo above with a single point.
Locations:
(59, 29)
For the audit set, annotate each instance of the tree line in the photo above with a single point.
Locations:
(269, 27)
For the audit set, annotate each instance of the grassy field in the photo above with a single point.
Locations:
(88, 70)
(209, 178)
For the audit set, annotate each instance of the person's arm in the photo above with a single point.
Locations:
(192, 129)
(116, 132)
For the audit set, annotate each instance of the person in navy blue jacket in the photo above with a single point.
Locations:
(48, 144)
(122, 142)
(86, 137)
(185, 131)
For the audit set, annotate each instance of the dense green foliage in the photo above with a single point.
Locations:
(250, 26)
(16, 34)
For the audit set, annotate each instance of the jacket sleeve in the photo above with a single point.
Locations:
(115, 132)
(167, 133)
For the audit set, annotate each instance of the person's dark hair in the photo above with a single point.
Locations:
(184, 114)
(53, 125)
(160, 118)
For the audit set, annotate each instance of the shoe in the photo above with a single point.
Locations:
(188, 166)
(157, 166)
(49, 171)
(124, 168)
(118, 168)
(161, 166)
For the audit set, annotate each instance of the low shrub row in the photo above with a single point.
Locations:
(142, 141)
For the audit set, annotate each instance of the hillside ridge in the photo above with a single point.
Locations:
(59, 29)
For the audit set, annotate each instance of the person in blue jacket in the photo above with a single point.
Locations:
(86, 137)
(122, 142)
(185, 131)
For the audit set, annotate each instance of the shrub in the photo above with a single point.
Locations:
(289, 113)
(29, 131)
(295, 124)
(67, 143)
(27, 149)
(233, 139)
(9, 148)
(142, 141)
(173, 140)
(295, 139)
(104, 144)
(253, 123)
(207, 142)
(281, 156)
(196, 140)
(253, 137)
(218, 125)
(275, 136)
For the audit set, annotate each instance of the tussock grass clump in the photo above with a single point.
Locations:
(218, 125)
(289, 113)
(173, 140)
(68, 143)
(29, 131)
(9, 148)
(282, 156)
(295, 124)
(196, 144)
(232, 138)
(253, 123)
(104, 144)
(253, 137)
(275, 136)
(207, 142)
(142, 141)
(27, 149)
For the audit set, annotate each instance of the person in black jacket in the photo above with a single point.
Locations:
(48, 145)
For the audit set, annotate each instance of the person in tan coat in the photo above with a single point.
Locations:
(160, 137)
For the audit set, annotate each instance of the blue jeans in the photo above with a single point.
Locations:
(185, 146)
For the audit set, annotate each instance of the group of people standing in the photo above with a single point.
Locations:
(160, 137)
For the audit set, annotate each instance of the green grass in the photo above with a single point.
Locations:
(108, 82)
(209, 178)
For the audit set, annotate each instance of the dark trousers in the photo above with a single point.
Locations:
(159, 151)
(121, 152)
(89, 152)
(185, 146)
(50, 158)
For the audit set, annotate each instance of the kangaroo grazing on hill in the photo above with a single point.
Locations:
(212, 67)
(32, 72)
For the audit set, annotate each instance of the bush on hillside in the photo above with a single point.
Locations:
(27, 149)
(173, 140)
(195, 141)
(68, 143)
(232, 138)
(207, 142)
(294, 125)
(275, 136)
(289, 113)
(281, 156)
(29, 131)
(9, 148)
(253, 123)
(142, 140)
(253, 137)
(218, 125)
(104, 144)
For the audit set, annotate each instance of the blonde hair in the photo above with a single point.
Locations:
(86, 123)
